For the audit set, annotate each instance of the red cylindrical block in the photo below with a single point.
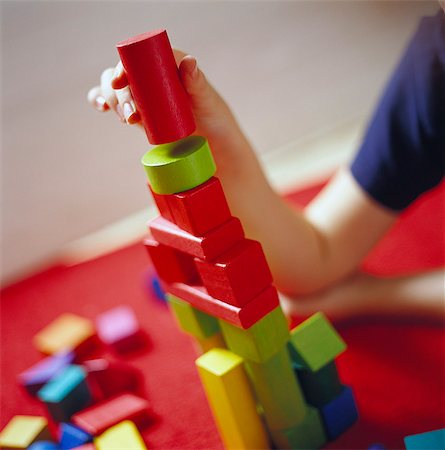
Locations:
(154, 81)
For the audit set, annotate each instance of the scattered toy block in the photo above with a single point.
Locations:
(431, 440)
(322, 386)
(206, 344)
(40, 373)
(119, 328)
(315, 343)
(231, 400)
(22, 431)
(44, 445)
(237, 275)
(124, 435)
(207, 247)
(192, 320)
(171, 265)
(277, 391)
(67, 332)
(179, 166)
(197, 210)
(107, 379)
(243, 317)
(262, 340)
(309, 433)
(339, 414)
(66, 393)
(157, 289)
(97, 418)
(71, 436)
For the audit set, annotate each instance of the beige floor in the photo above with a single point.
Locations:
(300, 76)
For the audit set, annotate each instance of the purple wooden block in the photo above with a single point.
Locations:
(40, 373)
(119, 328)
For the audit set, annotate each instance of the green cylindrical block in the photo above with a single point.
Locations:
(179, 166)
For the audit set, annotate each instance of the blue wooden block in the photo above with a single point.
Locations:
(157, 289)
(72, 436)
(44, 445)
(377, 446)
(66, 393)
(339, 414)
(432, 440)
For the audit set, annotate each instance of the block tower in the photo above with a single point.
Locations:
(220, 286)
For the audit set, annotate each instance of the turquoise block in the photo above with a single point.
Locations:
(431, 440)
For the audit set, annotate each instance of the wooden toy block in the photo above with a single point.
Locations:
(157, 288)
(431, 440)
(322, 386)
(207, 247)
(71, 436)
(120, 329)
(22, 431)
(66, 393)
(377, 446)
(109, 378)
(124, 435)
(339, 414)
(162, 204)
(206, 344)
(160, 98)
(237, 275)
(231, 400)
(243, 317)
(170, 264)
(89, 446)
(179, 166)
(262, 340)
(278, 391)
(40, 373)
(45, 445)
(192, 320)
(315, 343)
(97, 418)
(197, 210)
(309, 433)
(67, 332)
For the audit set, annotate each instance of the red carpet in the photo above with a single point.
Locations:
(396, 370)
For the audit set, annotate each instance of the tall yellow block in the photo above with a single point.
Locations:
(231, 400)
(122, 436)
(22, 431)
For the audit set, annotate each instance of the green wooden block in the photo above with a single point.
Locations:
(431, 440)
(315, 343)
(262, 340)
(309, 434)
(179, 166)
(192, 320)
(277, 390)
(322, 386)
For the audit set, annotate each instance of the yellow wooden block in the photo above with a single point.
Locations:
(67, 332)
(124, 435)
(231, 400)
(22, 431)
(206, 344)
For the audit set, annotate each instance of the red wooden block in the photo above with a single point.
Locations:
(160, 98)
(207, 247)
(162, 204)
(107, 379)
(237, 275)
(171, 265)
(98, 418)
(201, 209)
(243, 317)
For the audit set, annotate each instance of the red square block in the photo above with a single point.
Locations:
(98, 418)
(243, 317)
(208, 247)
(170, 264)
(237, 275)
(162, 204)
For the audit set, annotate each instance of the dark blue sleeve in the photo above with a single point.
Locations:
(403, 152)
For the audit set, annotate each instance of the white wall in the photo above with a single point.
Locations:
(288, 69)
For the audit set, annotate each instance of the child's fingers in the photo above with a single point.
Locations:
(119, 80)
(96, 99)
(109, 93)
(127, 106)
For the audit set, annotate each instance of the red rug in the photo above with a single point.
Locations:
(396, 369)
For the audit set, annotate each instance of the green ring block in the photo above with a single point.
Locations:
(308, 434)
(179, 166)
(315, 343)
(191, 320)
(262, 340)
(277, 390)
